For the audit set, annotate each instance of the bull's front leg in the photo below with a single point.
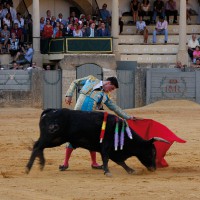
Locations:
(126, 167)
(105, 159)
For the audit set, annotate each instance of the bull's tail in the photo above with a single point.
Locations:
(37, 152)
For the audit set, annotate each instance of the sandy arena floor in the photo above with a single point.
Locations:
(181, 180)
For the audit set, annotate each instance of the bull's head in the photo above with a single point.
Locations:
(148, 156)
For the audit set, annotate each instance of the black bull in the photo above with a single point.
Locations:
(82, 129)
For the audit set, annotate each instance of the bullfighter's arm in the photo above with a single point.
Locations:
(75, 83)
(112, 106)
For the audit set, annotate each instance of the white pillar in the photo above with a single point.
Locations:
(36, 32)
(115, 24)
(182, 51)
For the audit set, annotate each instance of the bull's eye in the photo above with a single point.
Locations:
(53, 128)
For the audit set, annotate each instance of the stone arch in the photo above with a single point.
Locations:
(84, 6)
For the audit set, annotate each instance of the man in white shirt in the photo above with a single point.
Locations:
(192, 43)
(161, 29)
(142, 29)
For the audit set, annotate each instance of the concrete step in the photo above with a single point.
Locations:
(138, 39)
(172, 29)
(148, 49)
(127, 19)
(145, 58)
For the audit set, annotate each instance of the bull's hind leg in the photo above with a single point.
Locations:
(126, 167)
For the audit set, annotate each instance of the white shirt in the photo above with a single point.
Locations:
(99, 85)
(193, 44)
(140, 25)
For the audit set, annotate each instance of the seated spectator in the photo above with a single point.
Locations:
(142, 29)
(158, 10)
(62, 29)
(32, 67)
(192, 43)
(196, 54)
(15, 66)
(196, 64)
(13, 45)
(17, 31)
(91, 31)
(73, 19)
(179, 65)
(48, 30)
(103, 31)
(56, 31)
(135, 8)
(68, 32)
(146, 9)
(161, 28)
(4, 37)
(77, 32)
(27, 55)
(188, 10)
(8, 21)
(19, 20)
(170, 9)
(11, 10)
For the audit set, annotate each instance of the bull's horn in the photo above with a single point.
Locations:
(154, 139)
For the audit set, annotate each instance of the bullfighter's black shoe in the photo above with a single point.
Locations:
(63, 167)
(97, 167)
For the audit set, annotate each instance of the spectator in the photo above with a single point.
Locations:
(69, 31)
(13, 45)
(8, 20)
(188, 10)
(73, 19)
(3, 12)
(135, 8)
(103, 31)
(158, 10)
(28, 29)
(19, 20)
(42, 24)
(121, 23)
(170, 9)
(32, 67)
(53, 21)
(48, 30)
(48, 67)
(17, 31)
(48, 16)
(4, 37)
(179, 65)
(15, 66)
(11, 10)
(142, 29)
(61, 20)
(77, 32)
(56, 31)
(192, 43)
(146, 9)
(196, 54)
(161, 28)
(91, 31)
(27, 55)
(197, 64)
(105, 15)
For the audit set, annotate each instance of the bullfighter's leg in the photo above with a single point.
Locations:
(126, 167)
(68, 153)
(94, 163)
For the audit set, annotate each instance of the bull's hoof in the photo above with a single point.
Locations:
(131, 171)
(97, 167)
(108, 174)
(27, 170)
(63, 167)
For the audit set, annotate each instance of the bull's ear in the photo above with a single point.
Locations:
(154, 139)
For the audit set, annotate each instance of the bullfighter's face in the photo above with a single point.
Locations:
(108, 87)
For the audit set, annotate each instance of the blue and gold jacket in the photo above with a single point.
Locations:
(90, 98)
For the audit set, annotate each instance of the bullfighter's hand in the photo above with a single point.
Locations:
(136, 118)
(68, 100)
